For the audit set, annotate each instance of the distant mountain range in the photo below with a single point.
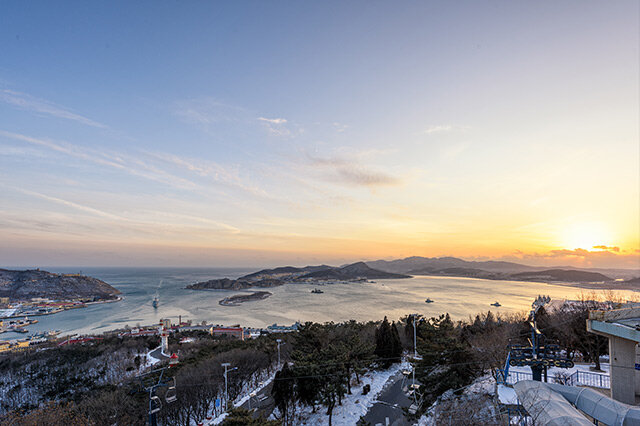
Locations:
(288, 274)
(443, 266)
(499, 270)
(25, 285)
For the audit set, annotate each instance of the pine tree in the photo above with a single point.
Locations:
(283, 393)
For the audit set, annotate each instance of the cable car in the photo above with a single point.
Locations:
(173, 360)
(154, 405)
(171, 395)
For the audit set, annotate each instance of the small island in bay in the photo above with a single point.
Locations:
(237, 299)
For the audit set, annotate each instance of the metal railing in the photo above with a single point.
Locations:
(577, 378)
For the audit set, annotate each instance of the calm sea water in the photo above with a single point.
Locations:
(460, 297)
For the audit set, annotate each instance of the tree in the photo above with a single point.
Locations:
(447, 361)
(388, 346)
(283, 392)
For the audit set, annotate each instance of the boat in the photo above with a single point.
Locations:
(316, 291)
(496, 304)
(156, 302)
(428, 300)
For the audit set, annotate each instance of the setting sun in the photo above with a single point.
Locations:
(587, 235)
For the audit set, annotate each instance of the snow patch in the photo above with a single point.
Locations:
(354, 405)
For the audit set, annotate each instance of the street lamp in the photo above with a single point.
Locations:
(279, 342)
(226, 365)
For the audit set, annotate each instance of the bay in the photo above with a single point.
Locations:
(460, 297)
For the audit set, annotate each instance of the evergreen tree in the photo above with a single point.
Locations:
(388, 346)
(283, 393)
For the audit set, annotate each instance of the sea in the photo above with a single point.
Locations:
(460, 297)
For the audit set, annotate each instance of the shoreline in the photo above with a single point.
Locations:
(99, 302)
(585, 286)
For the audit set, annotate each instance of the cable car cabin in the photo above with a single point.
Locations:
(154, 405)
(173, 360)
(172, 394)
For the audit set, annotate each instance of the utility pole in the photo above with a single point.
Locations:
(279, 342)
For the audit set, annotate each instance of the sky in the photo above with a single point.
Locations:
(253, 133)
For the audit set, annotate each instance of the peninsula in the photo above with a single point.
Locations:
(34, 284)
(355, 272)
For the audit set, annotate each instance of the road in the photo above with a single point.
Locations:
(389, 404)
(157, 354)
(262, 403)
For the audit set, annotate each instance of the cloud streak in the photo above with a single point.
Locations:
(120, 161)
(41, 106)
(273, 120)
(351, 173)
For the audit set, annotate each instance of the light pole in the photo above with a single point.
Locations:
(279, 342)
(415, 349)
(415, 359)
(226, 365)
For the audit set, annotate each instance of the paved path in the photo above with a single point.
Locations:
(157, 354)
(389, 404)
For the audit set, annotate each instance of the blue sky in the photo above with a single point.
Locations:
(246, 133)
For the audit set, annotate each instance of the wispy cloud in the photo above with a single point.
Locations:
(608, 248)
(40, 106)
(281, 127)
(71, 204)
(120, 161)
(352, 173)
(221, 174)
(205, 111)
(273, 120)
(438, 129)
(603, 256)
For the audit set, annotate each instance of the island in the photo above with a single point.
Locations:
(237, 299)
(355, 272)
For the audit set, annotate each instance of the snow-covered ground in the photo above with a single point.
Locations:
(507, 395)
(149, 360)
(354, 405)
(244, 396)
(477, 395)
(578, 367)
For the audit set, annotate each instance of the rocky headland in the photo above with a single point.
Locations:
(29, 284)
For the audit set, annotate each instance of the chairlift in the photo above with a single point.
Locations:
(171, 395)
(154, 405)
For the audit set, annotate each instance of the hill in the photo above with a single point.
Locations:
(417, 264)
(290, 274)
(25, 285)
(353, 271)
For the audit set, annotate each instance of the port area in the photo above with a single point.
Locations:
(41, 306)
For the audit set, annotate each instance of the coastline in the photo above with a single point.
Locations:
(84, 305)
(610, 285)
